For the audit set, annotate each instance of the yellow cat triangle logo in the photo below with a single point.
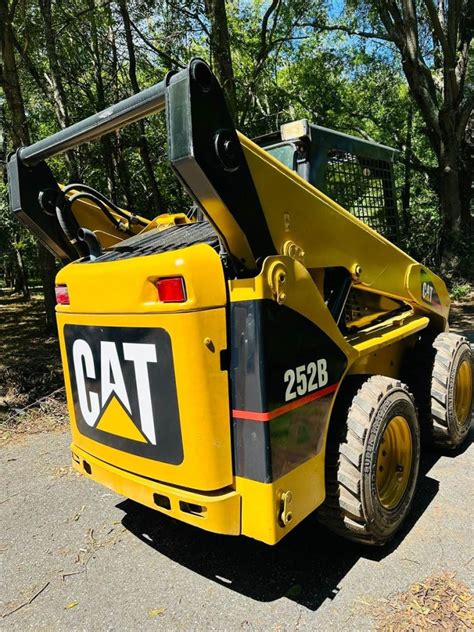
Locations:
(116, 420)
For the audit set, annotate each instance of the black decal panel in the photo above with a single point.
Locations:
(124, 389)
(268, 340)
(284, 374)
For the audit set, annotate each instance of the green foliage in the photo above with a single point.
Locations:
(461, 290)
(294, 68)
(15, 237)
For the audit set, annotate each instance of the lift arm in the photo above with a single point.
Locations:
(309, 226)
(204, 151)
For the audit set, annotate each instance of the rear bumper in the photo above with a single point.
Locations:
(219, 512)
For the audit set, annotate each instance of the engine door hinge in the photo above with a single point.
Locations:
(292, 250)
(276, 279)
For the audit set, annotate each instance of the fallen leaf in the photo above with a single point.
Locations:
(73, 604)
(156, 612)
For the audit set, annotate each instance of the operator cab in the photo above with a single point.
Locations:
(356, 173)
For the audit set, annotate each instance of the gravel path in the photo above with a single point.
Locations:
(78, 557)
(90, 560)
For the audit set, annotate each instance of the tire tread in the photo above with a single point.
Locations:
(447, 346)
(343, 510)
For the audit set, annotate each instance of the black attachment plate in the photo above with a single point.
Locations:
(25, 186)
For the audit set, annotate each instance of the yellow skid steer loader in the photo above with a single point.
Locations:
(278, 356)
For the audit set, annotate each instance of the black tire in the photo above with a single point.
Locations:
(431, 375)
(353, 507)
(452, 356)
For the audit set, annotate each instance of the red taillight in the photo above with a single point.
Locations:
(171, 290)
(62, 295)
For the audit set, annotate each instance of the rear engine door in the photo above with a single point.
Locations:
(146, 382)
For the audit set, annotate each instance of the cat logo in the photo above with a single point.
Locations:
(112, 382)
(124, 389)
(428, 291)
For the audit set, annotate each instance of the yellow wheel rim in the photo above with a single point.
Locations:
(394, 462)
(463, 392)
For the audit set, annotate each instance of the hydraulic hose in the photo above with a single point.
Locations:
(87, 189)
(89, 196)
(88, 237)
(68, 223)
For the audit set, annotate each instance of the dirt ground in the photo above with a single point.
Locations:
(78, 557)
(30, 366)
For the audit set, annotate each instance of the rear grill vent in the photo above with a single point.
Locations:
(154, 242)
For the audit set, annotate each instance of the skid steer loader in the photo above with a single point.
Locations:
(279, 356)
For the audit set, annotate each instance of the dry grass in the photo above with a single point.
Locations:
(31, 394)
(44, 416)
(439, 602)
(30, 367)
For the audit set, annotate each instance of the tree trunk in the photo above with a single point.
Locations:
(123, 173)
(466, 177)
(438, 89)
(20, 135)
(48, 274)
(120, 165)
(455, 177)
(19, 129)
(21, 280)
(449, 191)
(142, 142)
(220, 51)
(9, 79)
(449, 164)
(107, 146)
(8, 272)
(406, 191)
(56, 83)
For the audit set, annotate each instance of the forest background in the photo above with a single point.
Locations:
(393, 71)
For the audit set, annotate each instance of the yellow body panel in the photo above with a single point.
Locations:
(382, 348)
(262, 505)
(121, 294)
(127, 286)
(220, 511)
(300, 294)
(204, 417)
(327, 235)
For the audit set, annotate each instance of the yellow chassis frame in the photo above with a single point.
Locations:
(310, 233)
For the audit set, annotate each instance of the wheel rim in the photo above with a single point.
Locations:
(463, 392)
(394, 462)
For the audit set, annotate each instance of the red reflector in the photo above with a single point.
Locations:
(62, 295)
(171, 290)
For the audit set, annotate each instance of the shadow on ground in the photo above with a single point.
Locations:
(461, 319)
(307, 566)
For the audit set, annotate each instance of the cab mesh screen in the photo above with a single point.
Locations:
(363, 186)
